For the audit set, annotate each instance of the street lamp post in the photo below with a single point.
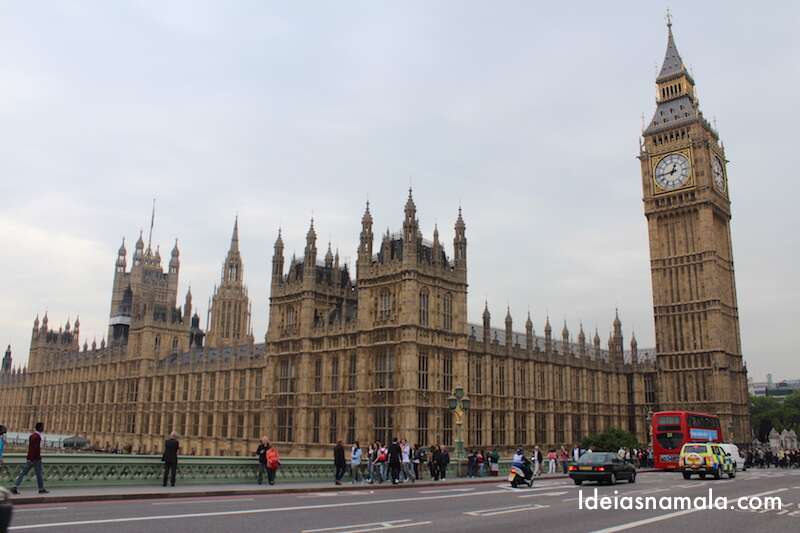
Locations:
(650, 432)
(459, 405)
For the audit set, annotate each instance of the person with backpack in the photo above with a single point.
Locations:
(339, 462)
(273, 462)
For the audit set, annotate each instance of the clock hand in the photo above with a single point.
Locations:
(674, 169)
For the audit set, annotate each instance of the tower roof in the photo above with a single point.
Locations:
(673, 64)
(235, 234)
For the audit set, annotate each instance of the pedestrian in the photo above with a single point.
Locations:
(537, 461)
(481, 462)
(494, 462)
(472, 460)
(273, 463)
(395, 460)
(2, 442)
(551, 461)
(355, 463)
(408, 474)
(339, 462)
(563, 458)
(419, 460)
(170, 458)
(433, 461)
(261, 453)
(444, 460)
(372, 460)
(33, 460)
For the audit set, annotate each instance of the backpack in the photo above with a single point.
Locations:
(272, 459)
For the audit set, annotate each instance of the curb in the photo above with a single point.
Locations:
(66, 498)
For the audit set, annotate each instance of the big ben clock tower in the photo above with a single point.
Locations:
(688, 211)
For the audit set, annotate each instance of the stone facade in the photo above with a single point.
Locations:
(688, 210)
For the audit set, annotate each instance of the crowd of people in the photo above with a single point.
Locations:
(399, 462)
(761, 458)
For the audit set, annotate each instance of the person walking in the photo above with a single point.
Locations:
(395, 460)
(563, 458)
(537, 461)
(433, 461)
(408, 475)
(33, 460)
(2, 442)
(355, 463)
(339, 462)
(444, 460)
(494, 462)
(170, 458)
(472, 460)
(372, 462)
(261, 453)
(416, 460)
(551, 461)
(273, 462)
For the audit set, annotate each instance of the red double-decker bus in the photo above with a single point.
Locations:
(671, 429)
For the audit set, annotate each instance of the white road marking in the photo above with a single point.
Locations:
(631, 525)
(653, 491)
(506, 510)
(570, 499)
(393, 501)
(39, 509)
(374, 526)
(221, 500)
(435, 491)
(543, 494)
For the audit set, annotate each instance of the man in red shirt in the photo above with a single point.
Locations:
(34, 461)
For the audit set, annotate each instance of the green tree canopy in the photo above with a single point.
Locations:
(768, 412)
(610, 440)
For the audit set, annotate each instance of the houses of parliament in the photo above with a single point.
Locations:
(375, 353)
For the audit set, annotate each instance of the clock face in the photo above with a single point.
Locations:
(719, 173)
(672, 172)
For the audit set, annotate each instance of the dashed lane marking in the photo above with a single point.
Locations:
(543, 494)
(435, 491)
(373, 526)
(221, 500)
(506, 510)
(39, 509)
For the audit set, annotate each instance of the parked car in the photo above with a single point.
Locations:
(603, 467)
(733, 451)
(705, 458)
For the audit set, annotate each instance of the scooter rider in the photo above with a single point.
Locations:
(520, 461)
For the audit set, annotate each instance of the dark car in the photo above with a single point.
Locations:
(603, 467)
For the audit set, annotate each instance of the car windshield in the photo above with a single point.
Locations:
(695, 449)
(595, 458)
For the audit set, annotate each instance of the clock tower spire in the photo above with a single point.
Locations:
(688, 211)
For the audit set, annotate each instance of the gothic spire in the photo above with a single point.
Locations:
(235, 235)
(673, 66)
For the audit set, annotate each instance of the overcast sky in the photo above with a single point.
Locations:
(527, 114)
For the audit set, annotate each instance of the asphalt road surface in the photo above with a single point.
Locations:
(551, 506)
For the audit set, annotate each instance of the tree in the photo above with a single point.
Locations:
(610, 440)
(768, 412)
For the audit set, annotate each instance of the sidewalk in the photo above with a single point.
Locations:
(29, 494)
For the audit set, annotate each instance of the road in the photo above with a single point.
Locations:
(551, 506)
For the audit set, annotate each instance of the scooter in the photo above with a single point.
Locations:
(516, 476)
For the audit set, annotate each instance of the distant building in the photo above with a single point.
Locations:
(778, 390)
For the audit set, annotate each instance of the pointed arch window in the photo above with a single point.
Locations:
(385, 304)
(447, 312)
(423, 307)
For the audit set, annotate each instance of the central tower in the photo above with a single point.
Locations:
(688, 211)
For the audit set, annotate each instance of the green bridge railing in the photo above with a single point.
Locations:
(65, 470)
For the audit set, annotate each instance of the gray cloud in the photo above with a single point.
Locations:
(525, 114)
